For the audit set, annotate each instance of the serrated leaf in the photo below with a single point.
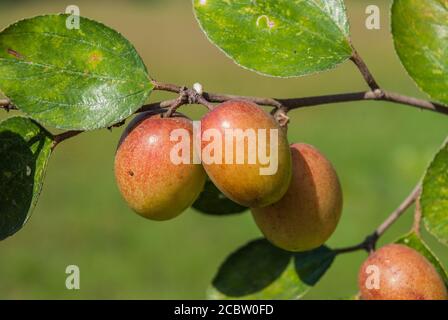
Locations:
(25, 148)
(420, 31)
(415, 242)
(283, 38)
(434, 198)
(312, 265)
(77, 79)
(212, 201)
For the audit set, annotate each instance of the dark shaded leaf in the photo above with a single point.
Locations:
(260, 270)
(25, 148)
(212, 201)
(312, 265)
(257, 271)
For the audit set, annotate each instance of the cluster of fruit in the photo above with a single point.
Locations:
(299, 218)
(297, 208)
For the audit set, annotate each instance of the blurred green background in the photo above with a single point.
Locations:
(380, 151)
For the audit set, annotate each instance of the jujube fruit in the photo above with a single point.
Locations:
(309, 212)
(397, 272)
(243, 182)
(152, 185)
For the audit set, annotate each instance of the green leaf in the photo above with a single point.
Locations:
(414, 241)
(212, 201)
(434, 198)
(79, 79)
(257, 271)
(25, 148)
(260, 270)
(283, 38)
(312, 265)
(420, 31)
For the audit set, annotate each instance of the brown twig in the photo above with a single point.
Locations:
(417, 217)
(297, 103)
(414, 102)
(369, 243)
(57, 139)
(288, 104)
(177, 103)
(6, 104)
(186, 95)
(400, 210)
(157, 105)
(205, 102)
(206, 98)
(167, 87)
(367, 75)
(377, 95)
(218, 97)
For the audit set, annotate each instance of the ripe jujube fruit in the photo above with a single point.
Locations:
(243, 181)
(309, 212)
(152, 185)
(397, 272)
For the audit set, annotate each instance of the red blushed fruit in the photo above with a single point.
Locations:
(397, 272)
(250, 183)
(152, 185)
(310, 210)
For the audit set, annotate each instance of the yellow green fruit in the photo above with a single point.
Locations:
(243, 182)
(397, 272)
(149, 181)
(309, 212)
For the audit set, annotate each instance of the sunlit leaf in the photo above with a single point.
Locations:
(434, 198)
(420, 31)
(282, 38)
(79, 79)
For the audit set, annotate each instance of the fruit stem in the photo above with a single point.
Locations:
(400, 210)
(370, 241)
(417, 217)
(57, 139)
(6, 104)
(362, 66)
